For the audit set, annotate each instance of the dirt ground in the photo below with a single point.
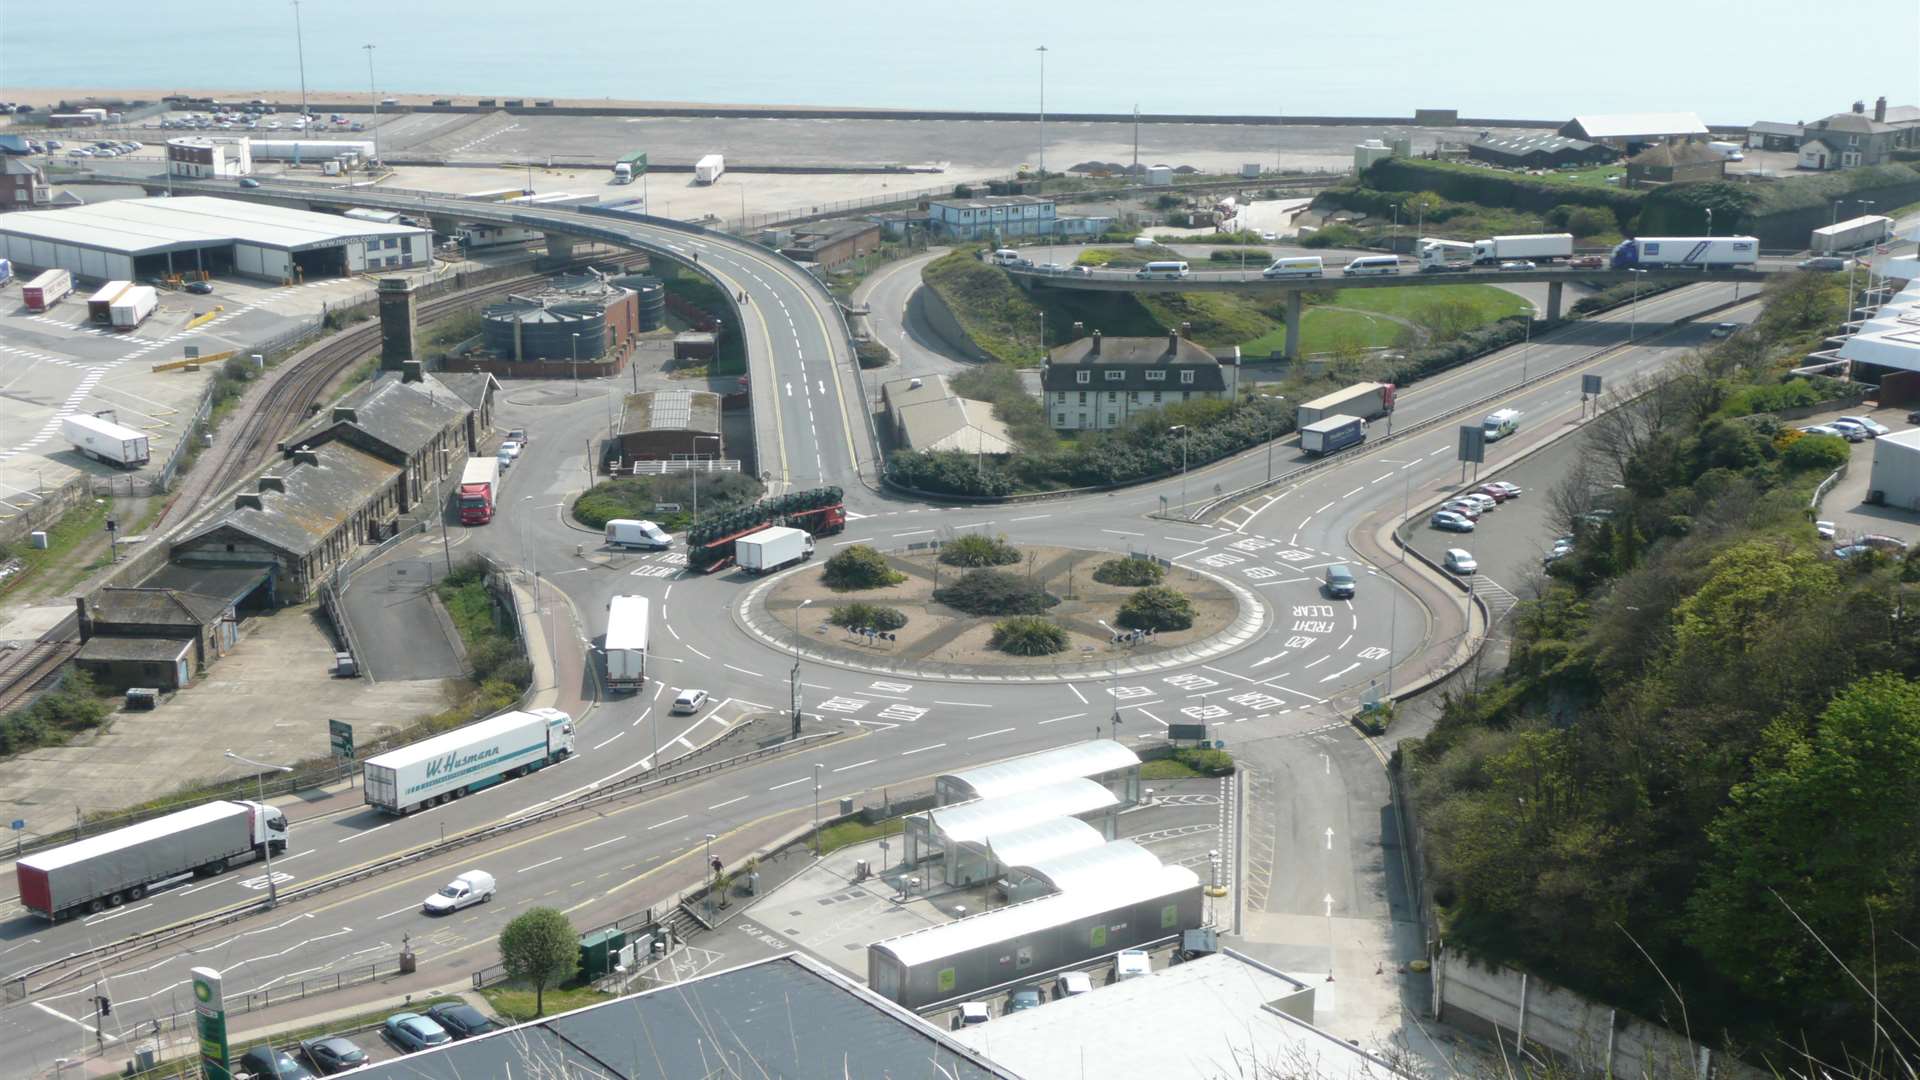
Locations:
(935, 632)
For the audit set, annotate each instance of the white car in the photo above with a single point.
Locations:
(1872, 427)
(1468, 510)
(689, 701)
(1519, 264)
(1460, 561)
(1269, 237)
(1484, 502)
(1072, 984)
(472, 887)
(511, 448)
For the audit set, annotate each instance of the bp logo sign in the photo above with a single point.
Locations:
(202, 992)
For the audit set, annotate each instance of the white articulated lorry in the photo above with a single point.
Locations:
(708, 169)
(628, 629)
(1539, 247)
(132, 307)
(467, 759)
(110, 869)
(772, 548)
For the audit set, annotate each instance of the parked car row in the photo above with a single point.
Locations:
(332, 1054)
(1850, 428)
(1128, 964)
(103, 148)
(1463, 511)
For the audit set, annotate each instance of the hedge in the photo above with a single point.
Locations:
(994, 592)
(1129, 572)
(1491, 187)
(1028, 635)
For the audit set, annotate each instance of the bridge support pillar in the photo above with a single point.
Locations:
(559, 248)
(443, 226)
(1553, 300)
(1295, 306)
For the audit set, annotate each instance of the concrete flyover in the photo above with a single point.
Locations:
(1087, 279)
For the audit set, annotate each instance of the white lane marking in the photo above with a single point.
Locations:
(1122, 532)
(51, 1011)
(1184, 554)
(538, 865)
(963, 704)
(1077, 693)
(1354, 492)
(698, 653)
(729, 802)
(667, 822)
(1057, 719)
(916, 532)
(1322, 510)
(397, 911)
(856, 765)
(1031, 517)
(985, 734)
(744, 671)
(918, 749)
(643, 716)
(98, 919)
(603, 843)
(358, 835)
(789, 783)
(1341, 672)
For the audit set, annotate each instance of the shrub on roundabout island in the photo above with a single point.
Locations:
(867, 616)
(994, 592)
(1131, 572)
(1156, 608)
(976, 549)
(1028, 635)
(860, 567)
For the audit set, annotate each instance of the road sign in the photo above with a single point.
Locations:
(1590, 384)
(18, 824)
(1177, 732)
(666, 508)
(1473, 443)
(341, 734)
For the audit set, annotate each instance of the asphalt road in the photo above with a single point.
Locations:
(1291, 687)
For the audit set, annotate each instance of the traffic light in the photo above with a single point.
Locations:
(106, 1005)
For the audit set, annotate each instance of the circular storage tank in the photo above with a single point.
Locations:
(545, 333)
(653, 300)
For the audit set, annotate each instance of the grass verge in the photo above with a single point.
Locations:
(514, 1004)
(844, 833)
(74, 528)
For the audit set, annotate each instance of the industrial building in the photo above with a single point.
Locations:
(669, 425)
(1885, 349)
(574, 318)
(925, 414)
(1007, 215)
(1629, 131)
(152, 636)
(1895, 480)
(202, 157)
(1538, 151)
(830, 244)
(131, 239)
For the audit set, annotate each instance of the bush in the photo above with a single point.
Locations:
(874, 616)
(975, 549)
(1255, 258)
(872, 354)
(635, 497)
(1156, 608)
(1028, 635)
(860, 567)
(1206, 762)
(1590, 221)
(1823, 452)
(1341, 236)
(1129, 572)
(994, 592)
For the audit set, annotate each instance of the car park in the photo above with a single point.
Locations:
(1027, 997)
(266, 1063)
(1493, 491)
(1071, 984)
(1854, 432)
(1519, 264)
(689, 701)
(472, 887)
(1513, 491)
(333, 1054)
(411, 1031)
(1484, 502)
(462, 1021)
(1823, 429)
(1460, 561)
(1872, 427)
(1450, 521)
(1724, 329)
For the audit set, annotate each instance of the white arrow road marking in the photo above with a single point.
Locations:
(1329, 903)
(1329, 838)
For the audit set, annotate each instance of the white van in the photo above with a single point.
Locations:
(1007, 257)
(645, 535)
(1309, 266)
(1500, 424)
(1170, 271)
(472, 887)
(1131, 964)
(1373, 264)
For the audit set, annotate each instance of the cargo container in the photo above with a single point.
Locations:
(48, 289)
(100, 304)
(467, 759)
(104, 440)
(708, 169)
(770, 549)
(628, 628)
(1853, 234)
(1368, 401)
(479, 485)
(110, 869)
(1332, 434)
(1539, 247)
(1687, 253)
(133, 306)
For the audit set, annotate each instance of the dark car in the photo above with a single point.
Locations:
(200, 288)
(1027, 997)
(1914, 417)
(249, 182)
(411, 1031)
(333, 1054)
(461, 1021)
(265, 1062)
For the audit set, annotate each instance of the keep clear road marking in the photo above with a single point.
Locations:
(916, 750)
(603, 843)
(668, 822)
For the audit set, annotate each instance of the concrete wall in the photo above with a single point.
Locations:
(940, 319)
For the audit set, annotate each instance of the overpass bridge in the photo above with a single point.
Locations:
(1250, 282)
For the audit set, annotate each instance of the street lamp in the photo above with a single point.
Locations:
(712, 869)
(816, 808)
(1709, 221)
(1186, 442)
(1633, 308)
(1525, 348)
(1042, 50)
(300, 44)
(793, 683)
(373, 95)
(576, 365)
(260, 786)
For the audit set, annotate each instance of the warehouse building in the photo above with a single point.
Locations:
(1539, 151)
(1895, 480)
(1629, 131)
(669, 425)
(155, 637)
(131, 239)
(831, 244)
(201, 157)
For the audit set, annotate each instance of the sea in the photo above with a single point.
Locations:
(1531, 59)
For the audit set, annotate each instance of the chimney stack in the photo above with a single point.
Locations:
(344, 414)
(1095, 351)
(410, 371)
(1880, 109)
(270, 482)
(1079, 330)
(1173, 341)
(306, 456)
(248, 500)
(1860, 107)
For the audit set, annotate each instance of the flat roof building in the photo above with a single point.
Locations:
(1626, 129)
(828, 244)
(130, 239)
(670, 425)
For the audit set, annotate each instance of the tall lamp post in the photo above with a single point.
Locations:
(1633, 307)
(816, 808)
(793, 678)
(373, 95)
(300, 44)
(260, 787)
(576, 365)
(1042, 50)
(1186, 442)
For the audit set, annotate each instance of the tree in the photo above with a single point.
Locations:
(1590, 221)
(1028, 635)
(976, 549)
(1823, 452)
(1448, 317)
(1129, 571)
(860, 567)
(539, 948)
(1156, 608)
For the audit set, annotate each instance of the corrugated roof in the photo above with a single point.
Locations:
(671, 410)
(1627, 125)
(1103, 868)
(147, 226)
(978, 821)
(1082, 759)
(953, 423)
(1031, 917)
(1530, 144)
(318, 500)
(1043, 840)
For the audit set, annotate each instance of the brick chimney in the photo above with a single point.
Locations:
(249, 500)
(1860, 107)
(1173, 341)
(1880, 109)
(306, 456)
(410, 371)
(270, 482)
(1095, 351)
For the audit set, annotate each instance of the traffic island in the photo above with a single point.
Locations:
(797, 610)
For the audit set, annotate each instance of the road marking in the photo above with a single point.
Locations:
(602, 844)
(1323, 509)
(1341, 672)
(698, 653)
(98, 919)
(729, 802)
(1184, 554)
(358, 835)
(1031, 517)
(856, 765)
(1354, 492)
(789, 783)
(538, 865)
(616, 735)
(1057, 719)
(985, 734)
(1122, 532)
(643, 716)
(916, 750)
(916, 532)
(964, 704)
(743, 671)
(667, 822)
(1077, 693)
(397, 911)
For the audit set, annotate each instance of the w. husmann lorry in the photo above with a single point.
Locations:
(467, 759)
(110, 869)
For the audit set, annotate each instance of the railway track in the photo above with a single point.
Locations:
(27, 670)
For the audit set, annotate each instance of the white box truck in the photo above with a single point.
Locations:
(772, 548)
(132, 307)
(110, 869)
(1851, 234)
(628, 626)
(708, 169)
(104, 440)
(1536, 246)
(467, 759)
